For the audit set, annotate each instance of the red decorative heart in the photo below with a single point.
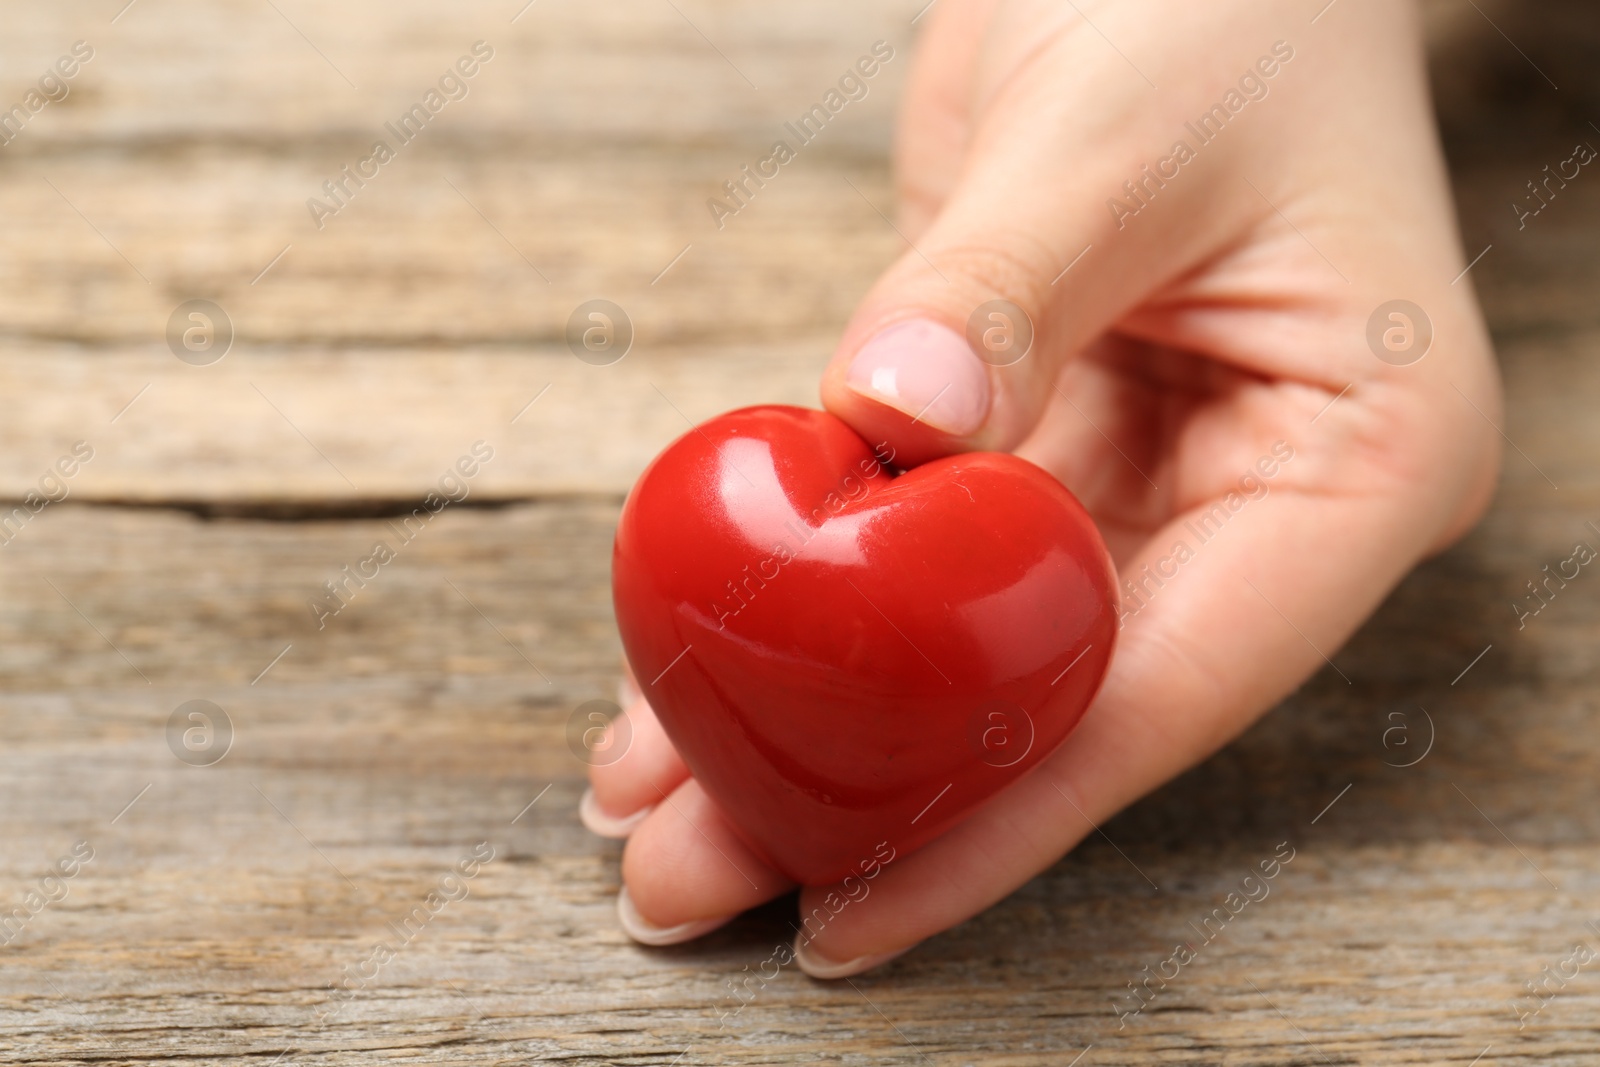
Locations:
(845, 654)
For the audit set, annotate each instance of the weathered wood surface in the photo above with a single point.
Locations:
(315, 428)
(377, 752)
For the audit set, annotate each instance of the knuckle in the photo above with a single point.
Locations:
(1015, 266)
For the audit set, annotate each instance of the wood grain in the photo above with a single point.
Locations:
(307, 427)
(371, 755)
(380, 750)
(310, 426)
(571, 177)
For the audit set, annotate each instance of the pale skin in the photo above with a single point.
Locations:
(1222, 318)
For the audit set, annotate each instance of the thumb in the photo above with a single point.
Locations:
(958, 345)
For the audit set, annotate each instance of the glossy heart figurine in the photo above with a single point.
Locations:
(846, 655)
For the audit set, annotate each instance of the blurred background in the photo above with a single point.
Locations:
(347, 762)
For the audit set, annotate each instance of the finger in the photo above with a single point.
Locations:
(936, 110)
(686, 872)
(628, 686)
(622, 792)
(1237, 626)
(929, 362)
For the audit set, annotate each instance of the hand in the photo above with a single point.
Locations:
(1214, 330)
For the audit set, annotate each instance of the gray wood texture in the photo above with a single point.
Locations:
(222, 902)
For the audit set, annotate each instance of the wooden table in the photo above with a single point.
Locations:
(368, 757)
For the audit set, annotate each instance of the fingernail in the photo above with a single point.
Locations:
(627, 693)
(598, 822)
(643, 931)
(927, 371)
(817, 965)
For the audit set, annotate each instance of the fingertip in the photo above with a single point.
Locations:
(600, 822)
(686, 863)
(889, 431)
(645, 932)
(817, 965)
(626, 785)
(924, 369)
(627, 689)
(910, 386)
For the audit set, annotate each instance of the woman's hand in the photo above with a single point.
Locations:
(1200, 317)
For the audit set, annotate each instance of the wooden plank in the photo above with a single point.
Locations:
(286, 427)
(234, 70)
(390, 372)
(568, 181)
(413, 260)
(577, 175)
(455, 244)
(382, 749)
(278, 427)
